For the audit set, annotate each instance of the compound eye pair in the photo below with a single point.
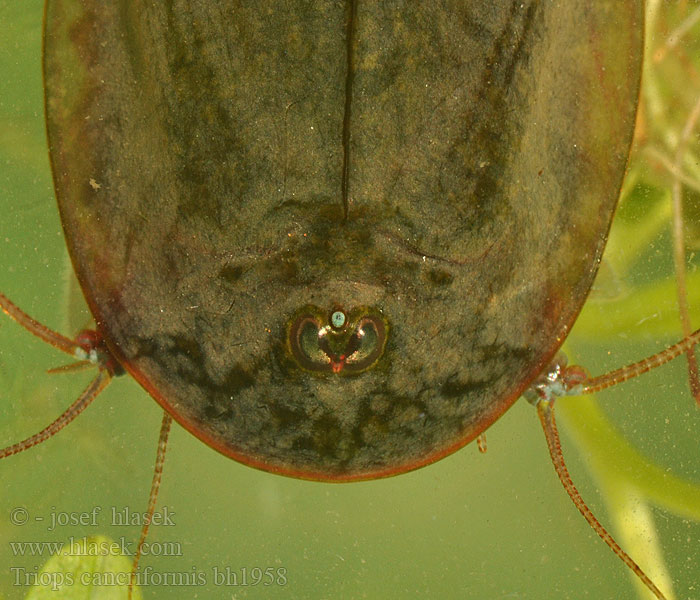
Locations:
(337, 342)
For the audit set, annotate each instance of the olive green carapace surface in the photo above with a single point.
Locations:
(454, 168)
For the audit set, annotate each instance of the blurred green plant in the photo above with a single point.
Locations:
(87, 569)
(630, 482)
(666, 155)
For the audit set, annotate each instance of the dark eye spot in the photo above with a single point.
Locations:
(337, 342)
(231, 273)
(439, 277)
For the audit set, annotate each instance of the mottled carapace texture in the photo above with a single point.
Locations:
(452, 166)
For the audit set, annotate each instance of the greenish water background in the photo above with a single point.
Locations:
(493, 526)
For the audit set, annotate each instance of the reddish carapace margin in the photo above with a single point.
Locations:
(90, 348)
(558, 380)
